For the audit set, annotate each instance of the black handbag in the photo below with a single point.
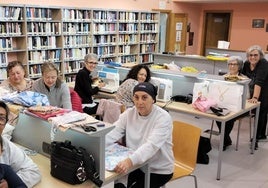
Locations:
(72, 165)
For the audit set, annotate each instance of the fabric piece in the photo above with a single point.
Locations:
(109, 110)
(76, 101)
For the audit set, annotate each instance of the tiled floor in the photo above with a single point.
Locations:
(239, 168)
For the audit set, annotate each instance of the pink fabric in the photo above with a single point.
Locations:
(203, 104)
(76, 101)
(109, 110)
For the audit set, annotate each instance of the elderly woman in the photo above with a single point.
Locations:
(16, 80)
(138, 74)
(148, 131)
(256, 68)
(50, 84)
(83, 84)
(235, 65)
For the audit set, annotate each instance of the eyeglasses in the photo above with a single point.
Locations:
(232, 64)
(91, 62)
(253, 55)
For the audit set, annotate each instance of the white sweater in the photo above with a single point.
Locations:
(26, 169)
(150, 136)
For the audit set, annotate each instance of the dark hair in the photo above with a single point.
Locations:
(133, 73)
(48, 66)
(13, 64)
(4, 105)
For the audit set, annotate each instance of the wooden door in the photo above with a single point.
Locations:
(216, 27)
(177, 33)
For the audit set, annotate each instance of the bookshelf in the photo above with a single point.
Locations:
(12, 36)
(64, 35)
(43, 30)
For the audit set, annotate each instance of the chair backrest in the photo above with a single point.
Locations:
(109, 110)
(76, 101)
(185, 143)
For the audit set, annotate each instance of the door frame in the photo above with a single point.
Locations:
(203, 47)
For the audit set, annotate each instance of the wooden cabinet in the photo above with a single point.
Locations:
(34, 35)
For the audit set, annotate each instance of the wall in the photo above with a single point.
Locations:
(115, 4)
(242, 34)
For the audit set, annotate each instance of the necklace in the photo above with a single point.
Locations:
(222, 93)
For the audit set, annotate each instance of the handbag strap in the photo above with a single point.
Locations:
(91, 171)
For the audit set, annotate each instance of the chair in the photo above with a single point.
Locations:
(185, 147)
(76, 101)
(250, 116)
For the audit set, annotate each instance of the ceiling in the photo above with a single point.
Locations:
(220, 1)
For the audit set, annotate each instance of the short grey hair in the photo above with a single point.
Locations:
(255, 47)
(238, 59)
(91, 56)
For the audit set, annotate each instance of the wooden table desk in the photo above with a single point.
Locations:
(188, 109)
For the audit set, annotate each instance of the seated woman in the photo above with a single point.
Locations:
(14, 156)
(235, 65)
(138, 74)
(148, 131)
(83, 84)
(16, 80)
(50, 84)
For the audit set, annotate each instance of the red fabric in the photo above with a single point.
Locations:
(76, 101)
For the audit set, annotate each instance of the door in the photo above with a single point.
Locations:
(216, 27)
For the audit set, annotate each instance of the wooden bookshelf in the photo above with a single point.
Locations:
(64, 35)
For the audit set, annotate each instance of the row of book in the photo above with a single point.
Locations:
(105, 15)
(10, 13)
(150, 37)
(128, 27)
(10, 28)
(127, 59)
(75, 53)
(76, 28)
(3, 59)
(104, 50)
(128, 16)
(44, 28)
(41, 42)
(147, 48)
(34, 13)
(145, 58)
(44, 55)
(70, 78)
(74, 14)
(153, 27)
(104, 27)
(77, 41)
(72, 66)
(145, 16)
(5, 44)
(128, 38)
(104, 39)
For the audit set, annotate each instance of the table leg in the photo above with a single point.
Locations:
(220, 150)
(255, 130)
(146, 170)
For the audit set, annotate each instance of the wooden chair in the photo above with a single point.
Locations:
(185, 147)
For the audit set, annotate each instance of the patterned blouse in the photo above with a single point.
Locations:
(125, 92)
(6, 84)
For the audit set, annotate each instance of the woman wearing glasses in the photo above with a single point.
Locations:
(83, 84)
(235, 65)
(256, 68)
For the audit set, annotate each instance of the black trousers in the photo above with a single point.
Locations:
(91, 110)
(13, 180)
(136, 179)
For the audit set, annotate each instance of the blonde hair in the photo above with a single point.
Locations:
(47, 67)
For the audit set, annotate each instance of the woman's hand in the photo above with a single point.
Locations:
(102, 84)
(123, 166)
(253, 100)
(3, 183)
